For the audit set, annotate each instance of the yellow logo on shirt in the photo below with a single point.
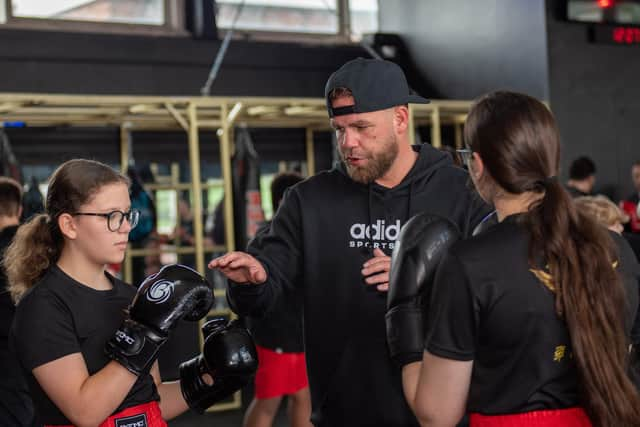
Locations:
(547, 280)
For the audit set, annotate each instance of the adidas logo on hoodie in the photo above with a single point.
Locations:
(376, 235)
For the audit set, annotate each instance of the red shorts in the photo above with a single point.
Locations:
(279, 374)
(572, 417)
(145, 415)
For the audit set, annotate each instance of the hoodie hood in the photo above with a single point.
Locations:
(429, 160)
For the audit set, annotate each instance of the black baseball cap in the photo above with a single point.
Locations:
(375, 84)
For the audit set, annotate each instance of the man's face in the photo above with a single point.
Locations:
(366, 141)
(635, 175)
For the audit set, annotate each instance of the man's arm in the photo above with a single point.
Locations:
(272, 262)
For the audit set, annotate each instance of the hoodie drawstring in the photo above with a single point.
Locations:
(369, 208)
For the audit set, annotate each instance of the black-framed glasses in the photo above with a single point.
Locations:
(116, 218)
(466, 155)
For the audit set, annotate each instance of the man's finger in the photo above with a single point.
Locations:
(224, 260)
(239, 263)
(377, 279)
(377, 252)
(376, 268)
(376, 261)
(258, 275)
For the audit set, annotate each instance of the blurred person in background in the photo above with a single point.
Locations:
(278, 336)
(582, 177)
(16, 408)
(630, 204)
(604, 211)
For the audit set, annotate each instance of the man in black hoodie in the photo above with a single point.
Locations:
(332, 237)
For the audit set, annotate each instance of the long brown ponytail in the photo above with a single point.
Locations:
(518, 141)
(38, 244)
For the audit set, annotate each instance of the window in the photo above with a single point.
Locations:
(364, 17)
(298, 16)
(147, 12)
(314, 17)
(623, 12)
(123, 16)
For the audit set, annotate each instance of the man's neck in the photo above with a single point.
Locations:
(407, 157)
(580, 185)
(8, 221)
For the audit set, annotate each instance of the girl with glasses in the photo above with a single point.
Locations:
(529, 322)
(69, 306)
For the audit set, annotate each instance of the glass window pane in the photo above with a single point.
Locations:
(364, 17)
(166, 202)
(299, 16)
(150, 12)
(604, 12)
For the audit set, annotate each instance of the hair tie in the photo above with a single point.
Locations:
(549, 180)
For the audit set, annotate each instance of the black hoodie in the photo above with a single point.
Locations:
(323, 232)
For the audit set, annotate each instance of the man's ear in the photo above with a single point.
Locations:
(401, 118)
(67, 226)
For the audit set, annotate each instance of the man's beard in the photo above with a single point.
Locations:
(377, 164)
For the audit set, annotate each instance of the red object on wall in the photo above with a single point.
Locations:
(626, 35)
(631, 209)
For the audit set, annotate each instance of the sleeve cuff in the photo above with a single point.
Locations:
(436, 350)
(404, 359)
(248, 289)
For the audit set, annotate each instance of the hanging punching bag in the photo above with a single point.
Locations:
(247, 202)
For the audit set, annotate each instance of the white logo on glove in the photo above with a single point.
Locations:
(160, 291)
(121, 336)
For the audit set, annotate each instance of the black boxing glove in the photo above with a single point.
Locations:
(175, 292)
(229, 356)
(423, 241)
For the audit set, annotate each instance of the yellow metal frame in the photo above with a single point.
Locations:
(194, 113)
(191, 114)
(219, 113)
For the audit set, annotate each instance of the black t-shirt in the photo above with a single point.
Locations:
(490, 307)
(16, 408)
(60, 316)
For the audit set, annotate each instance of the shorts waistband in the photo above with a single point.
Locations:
(571, 417)
(144, 415)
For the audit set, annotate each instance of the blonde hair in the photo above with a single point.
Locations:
(601, 209)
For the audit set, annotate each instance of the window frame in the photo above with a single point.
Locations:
(343, 35)
(175, 25)
(173, 22)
